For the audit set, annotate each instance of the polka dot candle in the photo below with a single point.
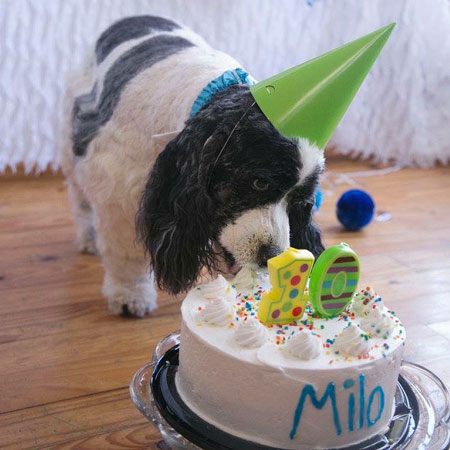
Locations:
(288, 274)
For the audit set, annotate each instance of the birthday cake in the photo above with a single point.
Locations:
(297, 359)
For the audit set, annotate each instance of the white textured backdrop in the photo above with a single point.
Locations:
(402, 111)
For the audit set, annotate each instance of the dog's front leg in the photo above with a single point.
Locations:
(128, 289)
(127, 285)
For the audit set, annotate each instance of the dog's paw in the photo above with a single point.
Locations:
(131, 306)
(131, 302)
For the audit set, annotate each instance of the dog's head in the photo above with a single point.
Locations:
(228, 180)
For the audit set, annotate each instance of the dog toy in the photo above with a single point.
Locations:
(355, 209)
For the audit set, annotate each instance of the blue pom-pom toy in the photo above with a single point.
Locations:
(355, 209)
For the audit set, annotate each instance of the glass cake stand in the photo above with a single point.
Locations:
(421, 419)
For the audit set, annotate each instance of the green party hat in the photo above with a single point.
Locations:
(310, 100)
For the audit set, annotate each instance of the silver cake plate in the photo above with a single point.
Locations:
(424, 392)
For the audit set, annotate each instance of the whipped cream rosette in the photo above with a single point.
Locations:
(305, 345)
(352, 341)
(218, 312)
(246, 278)
(377, 323)
(365, 300)
(251, 333)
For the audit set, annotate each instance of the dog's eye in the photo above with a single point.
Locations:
(260, 185)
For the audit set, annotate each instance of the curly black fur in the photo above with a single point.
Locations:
(188, 199)
(304, 233)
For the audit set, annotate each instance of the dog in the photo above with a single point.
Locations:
(160, 195)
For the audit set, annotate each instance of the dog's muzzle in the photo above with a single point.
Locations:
(265, 252)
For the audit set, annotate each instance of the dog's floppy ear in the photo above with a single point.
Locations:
(176, 215)
(304, 233)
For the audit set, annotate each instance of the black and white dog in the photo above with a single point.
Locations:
(142, 176)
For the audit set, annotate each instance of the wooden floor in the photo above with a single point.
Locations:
(65, 362)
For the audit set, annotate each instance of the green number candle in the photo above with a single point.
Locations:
(288, 273)
(334, 280)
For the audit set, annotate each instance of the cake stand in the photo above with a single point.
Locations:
(421, 419)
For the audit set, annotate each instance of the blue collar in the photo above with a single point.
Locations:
(228, 78)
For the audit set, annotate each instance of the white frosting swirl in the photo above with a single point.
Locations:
(377, 323)
(305, 345)
(218, 288)
(364, 301)
(218, 312)
(352, 341)
(251, 333)
(246, 278)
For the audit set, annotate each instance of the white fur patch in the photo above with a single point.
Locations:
(312, 157)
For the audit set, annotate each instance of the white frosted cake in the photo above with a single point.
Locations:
(315, 382)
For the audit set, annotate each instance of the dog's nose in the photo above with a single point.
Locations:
(265, 252)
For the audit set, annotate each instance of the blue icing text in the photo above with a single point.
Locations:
(361, 402)
(380, 392)
(351, 411)
(330, 394)
(348, 383)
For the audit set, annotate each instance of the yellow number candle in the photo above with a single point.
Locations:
(288, 273)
